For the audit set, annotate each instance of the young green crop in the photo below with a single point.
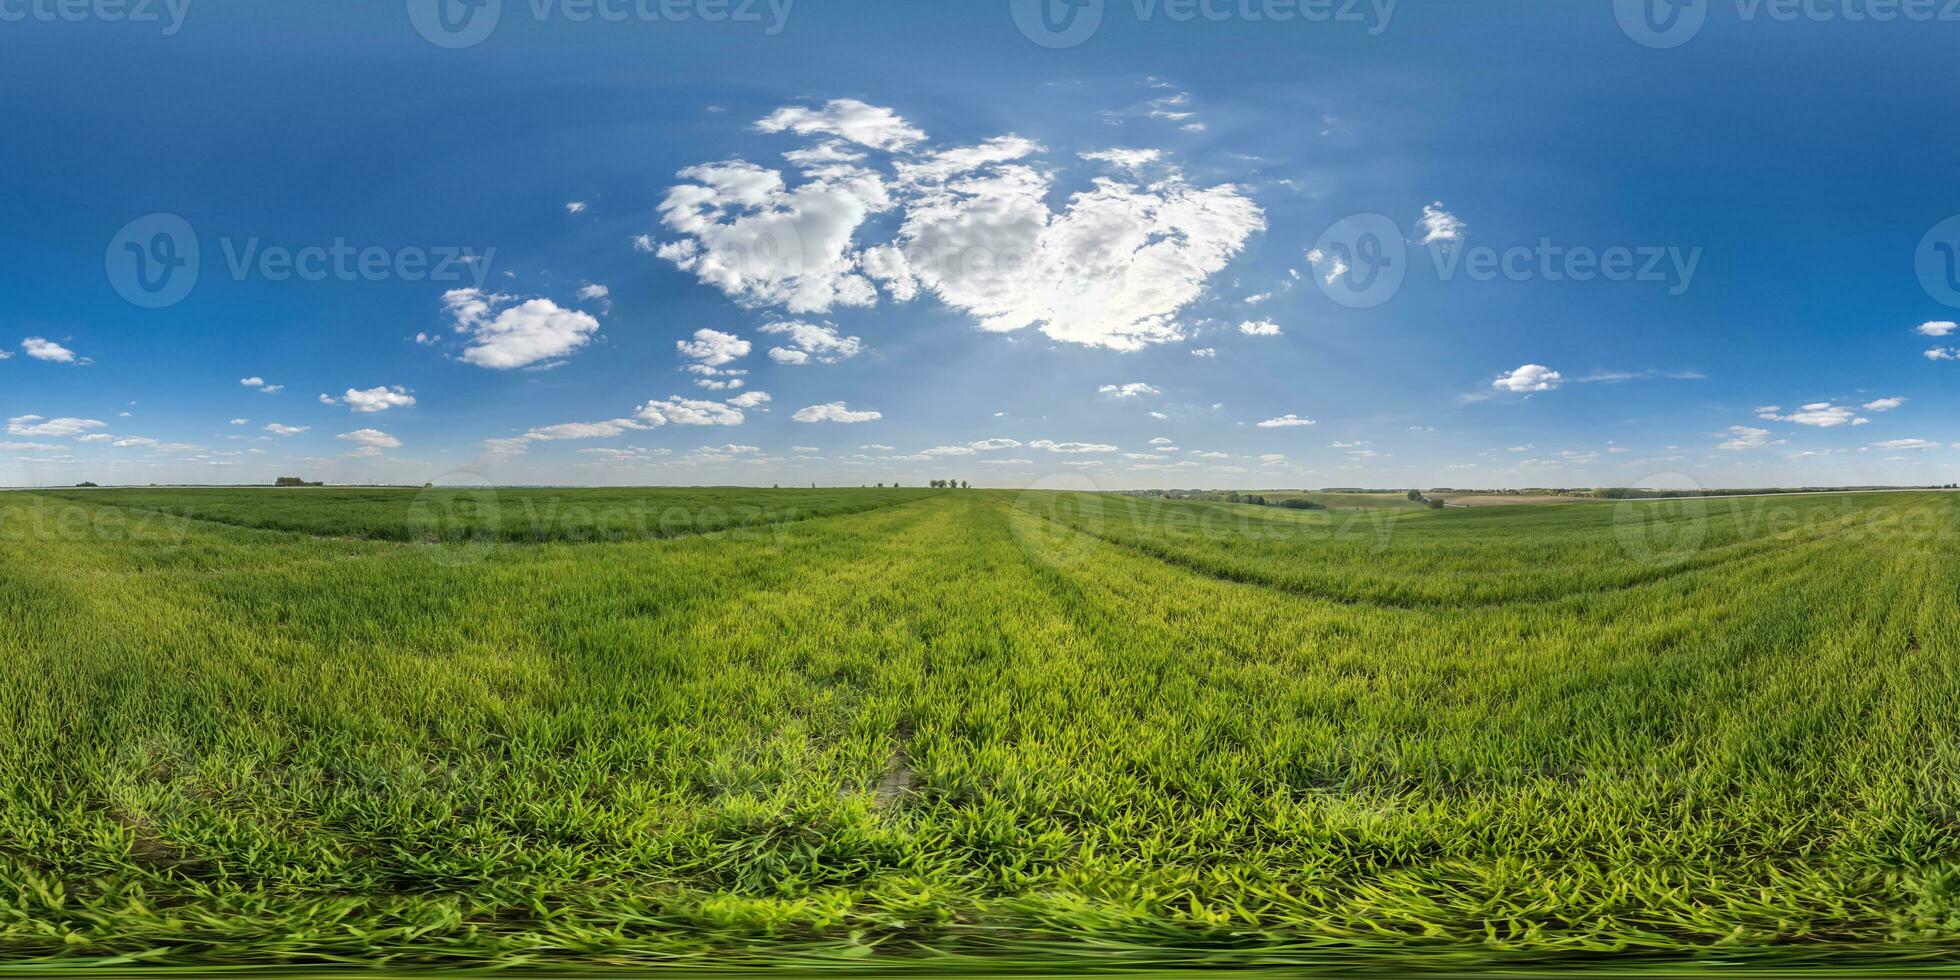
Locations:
(1029, 728)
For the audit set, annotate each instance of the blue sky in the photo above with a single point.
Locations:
(583, 249)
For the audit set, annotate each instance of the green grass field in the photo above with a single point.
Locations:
(806, 727)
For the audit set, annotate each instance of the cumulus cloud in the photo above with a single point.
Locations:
(819, 342)
(1259, 328)
(43, 349)
(1285, 421)
(35, 425)
(1936, 328)
(370, 439)
(378, 399)
(1132, 390)
(1943, 354)
(1114, 267)
(1883, 404)
(510, 448)
(1529, 377)
(749, 399)
(285, 430)
(574, 207)
(710, 350)
(1071, 447)
(1823, 415)
(689, 411)
(1204, 352)
(746, 232)
(504, 332)
(834, 412)
(1745, 437)
(848, 119)
(1438, 227)
(1132, 160)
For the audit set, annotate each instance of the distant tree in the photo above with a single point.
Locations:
(1415, 495)
(965, 485)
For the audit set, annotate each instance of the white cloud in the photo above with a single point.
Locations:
(712, 349)
(1823, 415)
(273, 389)
(1334, 266)
(948, 163)
(968, 449)
(370, 439)
(378, 399)
(834, 412)
(763, 243)
(811, 341)
(285, 430)
(1113, 268)
(1530, 377)
(1285, 421)
(1900, 444)
(849, 119)
(1161, 441)
(1131, 390)
(504, 332)
(1884, 404)
(574, 207)
(1132, 160)
(1259, 328)
(688, 411)
(510, 448)
(252, 382)
(1936, 328)
(1438, 226)
(593, 290)
(749, 399)
(1071, 447)
(35, 425)
(241, 421)
(42, 349)
(1204, 352)
(1943, 354)
(1745, 437)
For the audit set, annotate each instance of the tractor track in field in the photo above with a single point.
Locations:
(495, 539)
(1727, 555)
